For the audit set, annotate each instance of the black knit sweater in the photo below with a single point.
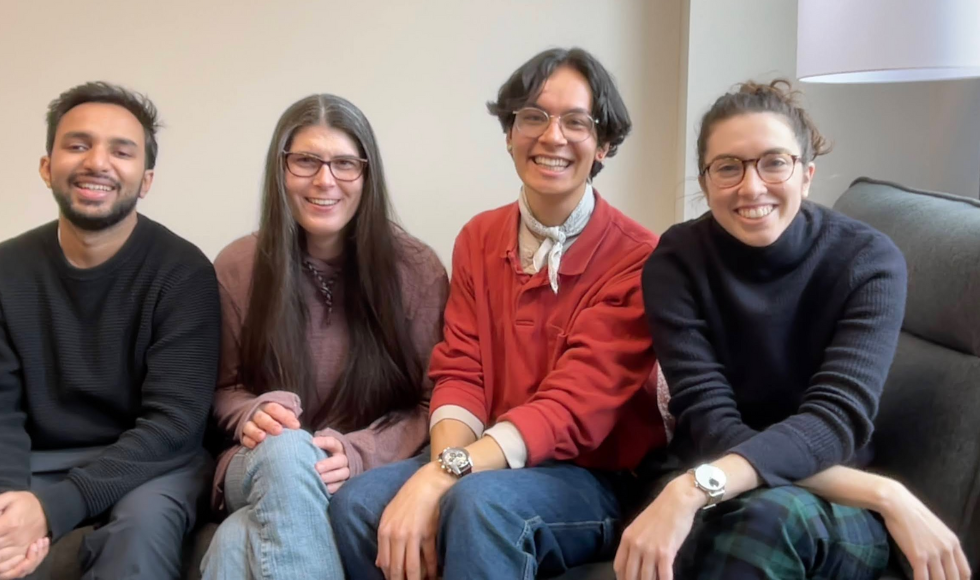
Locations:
(122, 355)
(778, 354)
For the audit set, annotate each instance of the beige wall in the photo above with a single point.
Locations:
(422, 70)
(221, 73)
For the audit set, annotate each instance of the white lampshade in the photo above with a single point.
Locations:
(874, 41)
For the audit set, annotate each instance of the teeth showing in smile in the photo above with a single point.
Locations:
(95, 187)
(323, 202)
(755, 212)
(551, 162)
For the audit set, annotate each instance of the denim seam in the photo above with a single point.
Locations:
(528, 527)
(529, 561)
(573, 525)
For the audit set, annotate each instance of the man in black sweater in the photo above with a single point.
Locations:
(109, 342)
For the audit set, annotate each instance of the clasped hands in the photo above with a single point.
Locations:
(24, 539)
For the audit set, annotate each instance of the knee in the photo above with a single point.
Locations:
(362, 500)
(475, 497)
(287, 452)
(152, 521)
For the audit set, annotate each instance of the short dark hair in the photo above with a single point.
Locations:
(102, 92)
(776, 97)
(608, 109)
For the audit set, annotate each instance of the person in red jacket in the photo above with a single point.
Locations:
(545, 388)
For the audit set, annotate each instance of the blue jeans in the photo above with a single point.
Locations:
(278, 527)
(497, 524)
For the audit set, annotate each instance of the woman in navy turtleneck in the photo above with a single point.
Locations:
(775, 321)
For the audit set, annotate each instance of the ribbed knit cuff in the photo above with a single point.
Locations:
(64, 507)
(778, 457)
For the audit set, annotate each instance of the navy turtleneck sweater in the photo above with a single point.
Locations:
(777, 354)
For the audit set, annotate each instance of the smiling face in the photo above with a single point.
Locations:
(322, 205)
(755, 212)
(549, 165)
(97, 167)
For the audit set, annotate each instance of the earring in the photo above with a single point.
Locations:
(510, 147)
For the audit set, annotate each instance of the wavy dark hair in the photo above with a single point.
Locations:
(383, 374)
(776, 97)
(612, 120)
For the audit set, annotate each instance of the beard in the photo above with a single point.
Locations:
(123, 206)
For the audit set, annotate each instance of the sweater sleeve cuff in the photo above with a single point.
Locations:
(777, 459)
(511, 443)
(64, 507)
(536, 432)
(460, 414)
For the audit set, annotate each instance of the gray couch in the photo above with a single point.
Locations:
(928, 434)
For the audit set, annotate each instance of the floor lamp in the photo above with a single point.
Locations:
(887, 41)
(881, 41)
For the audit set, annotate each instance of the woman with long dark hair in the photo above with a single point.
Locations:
(330, 314)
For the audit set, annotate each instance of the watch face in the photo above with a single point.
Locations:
(455, 458)
(710, 477)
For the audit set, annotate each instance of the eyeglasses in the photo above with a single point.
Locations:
(533, 122)
(772, 168)
(342, 168)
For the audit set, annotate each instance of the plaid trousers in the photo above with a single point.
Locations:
(783, 533)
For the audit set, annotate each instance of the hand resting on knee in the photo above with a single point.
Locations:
(269, 419)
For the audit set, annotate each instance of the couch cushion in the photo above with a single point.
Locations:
(926, 433)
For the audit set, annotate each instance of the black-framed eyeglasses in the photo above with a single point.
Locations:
(772, 168)
(532, 122)
(342, 168)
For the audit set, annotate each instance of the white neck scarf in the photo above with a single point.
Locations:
(555, 236)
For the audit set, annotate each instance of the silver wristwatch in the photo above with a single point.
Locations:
(711, 480)
(456, 461)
